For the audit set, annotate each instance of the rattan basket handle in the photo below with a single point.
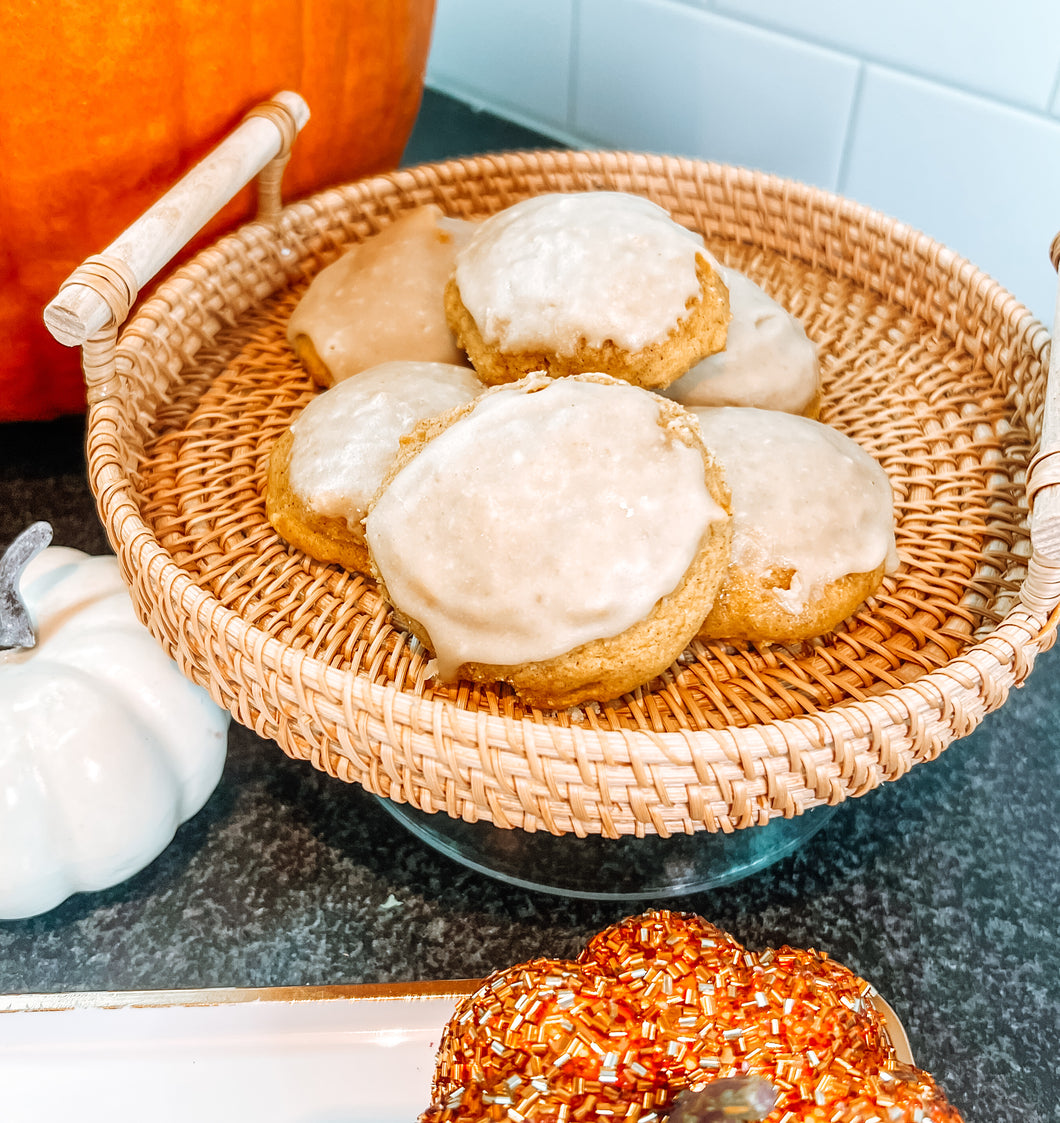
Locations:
(99, 294)
(1040, 591)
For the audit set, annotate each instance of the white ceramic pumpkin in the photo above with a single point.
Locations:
(105, 747)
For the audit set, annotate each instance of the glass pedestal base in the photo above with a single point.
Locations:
(611, 869)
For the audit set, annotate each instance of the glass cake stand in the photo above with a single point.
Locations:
(598, 868)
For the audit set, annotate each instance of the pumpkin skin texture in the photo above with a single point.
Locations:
(105, 747)
(104, 106)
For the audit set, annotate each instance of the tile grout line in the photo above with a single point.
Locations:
(1054, 92)
(573, 48)
(848, 134)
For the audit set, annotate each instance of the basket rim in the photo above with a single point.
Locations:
(1000, 658)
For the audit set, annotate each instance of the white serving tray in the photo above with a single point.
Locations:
(353, 1054)
(284, 1055)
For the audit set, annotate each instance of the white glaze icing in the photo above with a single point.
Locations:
(768, 361)
(383, 299)
(804, 495)
(346, 438)
(553, 514)
(555, 269)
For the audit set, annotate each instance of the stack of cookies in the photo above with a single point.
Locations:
(571, 443)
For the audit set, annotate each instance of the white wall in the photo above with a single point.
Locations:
(942, 113)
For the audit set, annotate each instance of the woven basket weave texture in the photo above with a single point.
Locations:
(926, 362)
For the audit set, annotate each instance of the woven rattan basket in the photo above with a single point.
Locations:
(927, 362)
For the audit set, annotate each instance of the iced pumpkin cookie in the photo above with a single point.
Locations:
(565, 536)
(813, 525)
(589, 281)
(382, 300)
(769, 362)
(327, 466)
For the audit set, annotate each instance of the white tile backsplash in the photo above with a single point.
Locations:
(977, 176)
(1008, 51)
(666, 78)
(507, 54)
(945, 115)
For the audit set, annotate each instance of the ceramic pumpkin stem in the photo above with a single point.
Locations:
(16, 627)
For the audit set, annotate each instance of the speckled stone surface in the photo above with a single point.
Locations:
(943, 888)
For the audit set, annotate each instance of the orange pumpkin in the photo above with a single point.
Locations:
(106, 103)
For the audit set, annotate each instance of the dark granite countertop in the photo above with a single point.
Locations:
(942, 888)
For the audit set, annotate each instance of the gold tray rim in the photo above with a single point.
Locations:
(44, 1002)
